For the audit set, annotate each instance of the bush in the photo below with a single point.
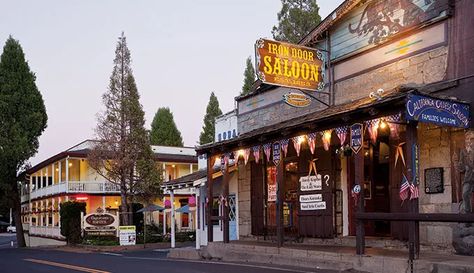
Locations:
(71, 221)
(100, 240)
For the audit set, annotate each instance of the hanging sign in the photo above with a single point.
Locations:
(297, 99)
(313, 205)
(223, 164)
(318, 197)
(276, 153)
(357, 137)
(272, 192)
(289, 65)
(441, 112)
(311, 183)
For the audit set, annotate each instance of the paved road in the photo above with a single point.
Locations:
(48, 260)
(6, 239)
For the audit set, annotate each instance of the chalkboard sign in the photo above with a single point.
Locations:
(434, 180)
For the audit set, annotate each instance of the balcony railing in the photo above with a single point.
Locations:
(75, 187)
(25, 197)
(53, 232)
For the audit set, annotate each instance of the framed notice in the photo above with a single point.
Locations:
(127, 235)
(434, 180)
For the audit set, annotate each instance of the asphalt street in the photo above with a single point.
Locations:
(6, 239)
(49, 260)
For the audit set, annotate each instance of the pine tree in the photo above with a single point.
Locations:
(296, 19)
(164, 130)
(122, 153)
(23, 119)
(249, 77)
(212, 111)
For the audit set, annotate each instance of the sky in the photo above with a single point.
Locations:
(181, 52)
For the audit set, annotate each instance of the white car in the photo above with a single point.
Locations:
(11, 229)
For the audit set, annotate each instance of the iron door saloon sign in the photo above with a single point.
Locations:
(289, 65)
(440, 112)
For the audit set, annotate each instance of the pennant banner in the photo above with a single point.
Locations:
(297, 143)
(372, 127)
(284, 146)
(341, 133)
(256, 153)
(326, 138)
(246, 155)
(267, 148)
(393, 125)
(312, 141)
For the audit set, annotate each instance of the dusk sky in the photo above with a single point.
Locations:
(181, 52)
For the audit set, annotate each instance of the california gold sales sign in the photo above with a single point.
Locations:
(289, 65)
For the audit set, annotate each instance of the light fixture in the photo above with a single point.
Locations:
(82, 198)
(173, 165)
(301, 139)
(116, 202)
(57, 169)
(383, 124)
(240, 153)
(70, 164)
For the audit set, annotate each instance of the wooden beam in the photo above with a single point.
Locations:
(414, 227)
(359, 180)
(210, 228)
(226, 205)
(279, 214)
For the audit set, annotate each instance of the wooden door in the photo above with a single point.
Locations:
(257, 202)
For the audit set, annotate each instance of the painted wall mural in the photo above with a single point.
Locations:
(381, 19)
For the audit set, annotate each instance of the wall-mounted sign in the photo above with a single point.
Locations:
(434, 180)
(100, 224)
(297, 99)
(289, 65)
(441, 112)
(276, 153)
(127, 235)
(313, 206)
(272, 192)
(311, 183)
(357, 137)
(318, 197)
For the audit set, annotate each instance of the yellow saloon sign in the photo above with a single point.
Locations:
(289, 65)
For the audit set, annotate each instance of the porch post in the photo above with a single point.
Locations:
(172, 219)
(60, 175)
(209, 201)
(359, 180)
(414, 227)
(67, 174)
(279, 203)
(198, 222)
(226, 204)
(164, 216)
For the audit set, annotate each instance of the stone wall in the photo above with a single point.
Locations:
(435, 151)
(423, 68)
(245, 225)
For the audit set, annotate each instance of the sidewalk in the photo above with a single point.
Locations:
(341, 258)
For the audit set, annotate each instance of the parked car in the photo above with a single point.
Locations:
(11, 229)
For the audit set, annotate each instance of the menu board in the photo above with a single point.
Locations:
(434, 180)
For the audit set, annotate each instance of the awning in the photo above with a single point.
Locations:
(152, 207)
(183, 209)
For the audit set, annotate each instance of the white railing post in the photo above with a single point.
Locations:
(60, 175)
(59, 212)
(67, 174)
(172, 219)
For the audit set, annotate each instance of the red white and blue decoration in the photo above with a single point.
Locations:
(393, 124)
(284, 146)
(256, 153)
(267, 149)
(357, 137)
(372, 127)
(341, 133)
(404, 188)
(297, 143)
(276, 151)
(312, 141)
(326, 138)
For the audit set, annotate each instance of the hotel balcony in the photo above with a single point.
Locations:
(73, 187)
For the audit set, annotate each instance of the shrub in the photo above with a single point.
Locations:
(71, 221)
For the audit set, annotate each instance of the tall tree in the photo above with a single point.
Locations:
(249, 77)
(23, 119)
(296, 19)
(164, 130)
(212, 111)
(122, 153)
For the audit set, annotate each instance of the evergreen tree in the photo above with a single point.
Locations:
(212, 111)
(249, 77)
(122, 153)
(295, 20)
(23, 119)
(164, 130)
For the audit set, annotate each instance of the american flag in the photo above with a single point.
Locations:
(414, 191)
(394, 126)
(404, 187)
(341, 133)
(256, 153)
(284, 146)
(372, 126)
(267, 148)
(297, 143)
(312, 141)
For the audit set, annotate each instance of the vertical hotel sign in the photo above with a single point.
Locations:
(289, 65)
